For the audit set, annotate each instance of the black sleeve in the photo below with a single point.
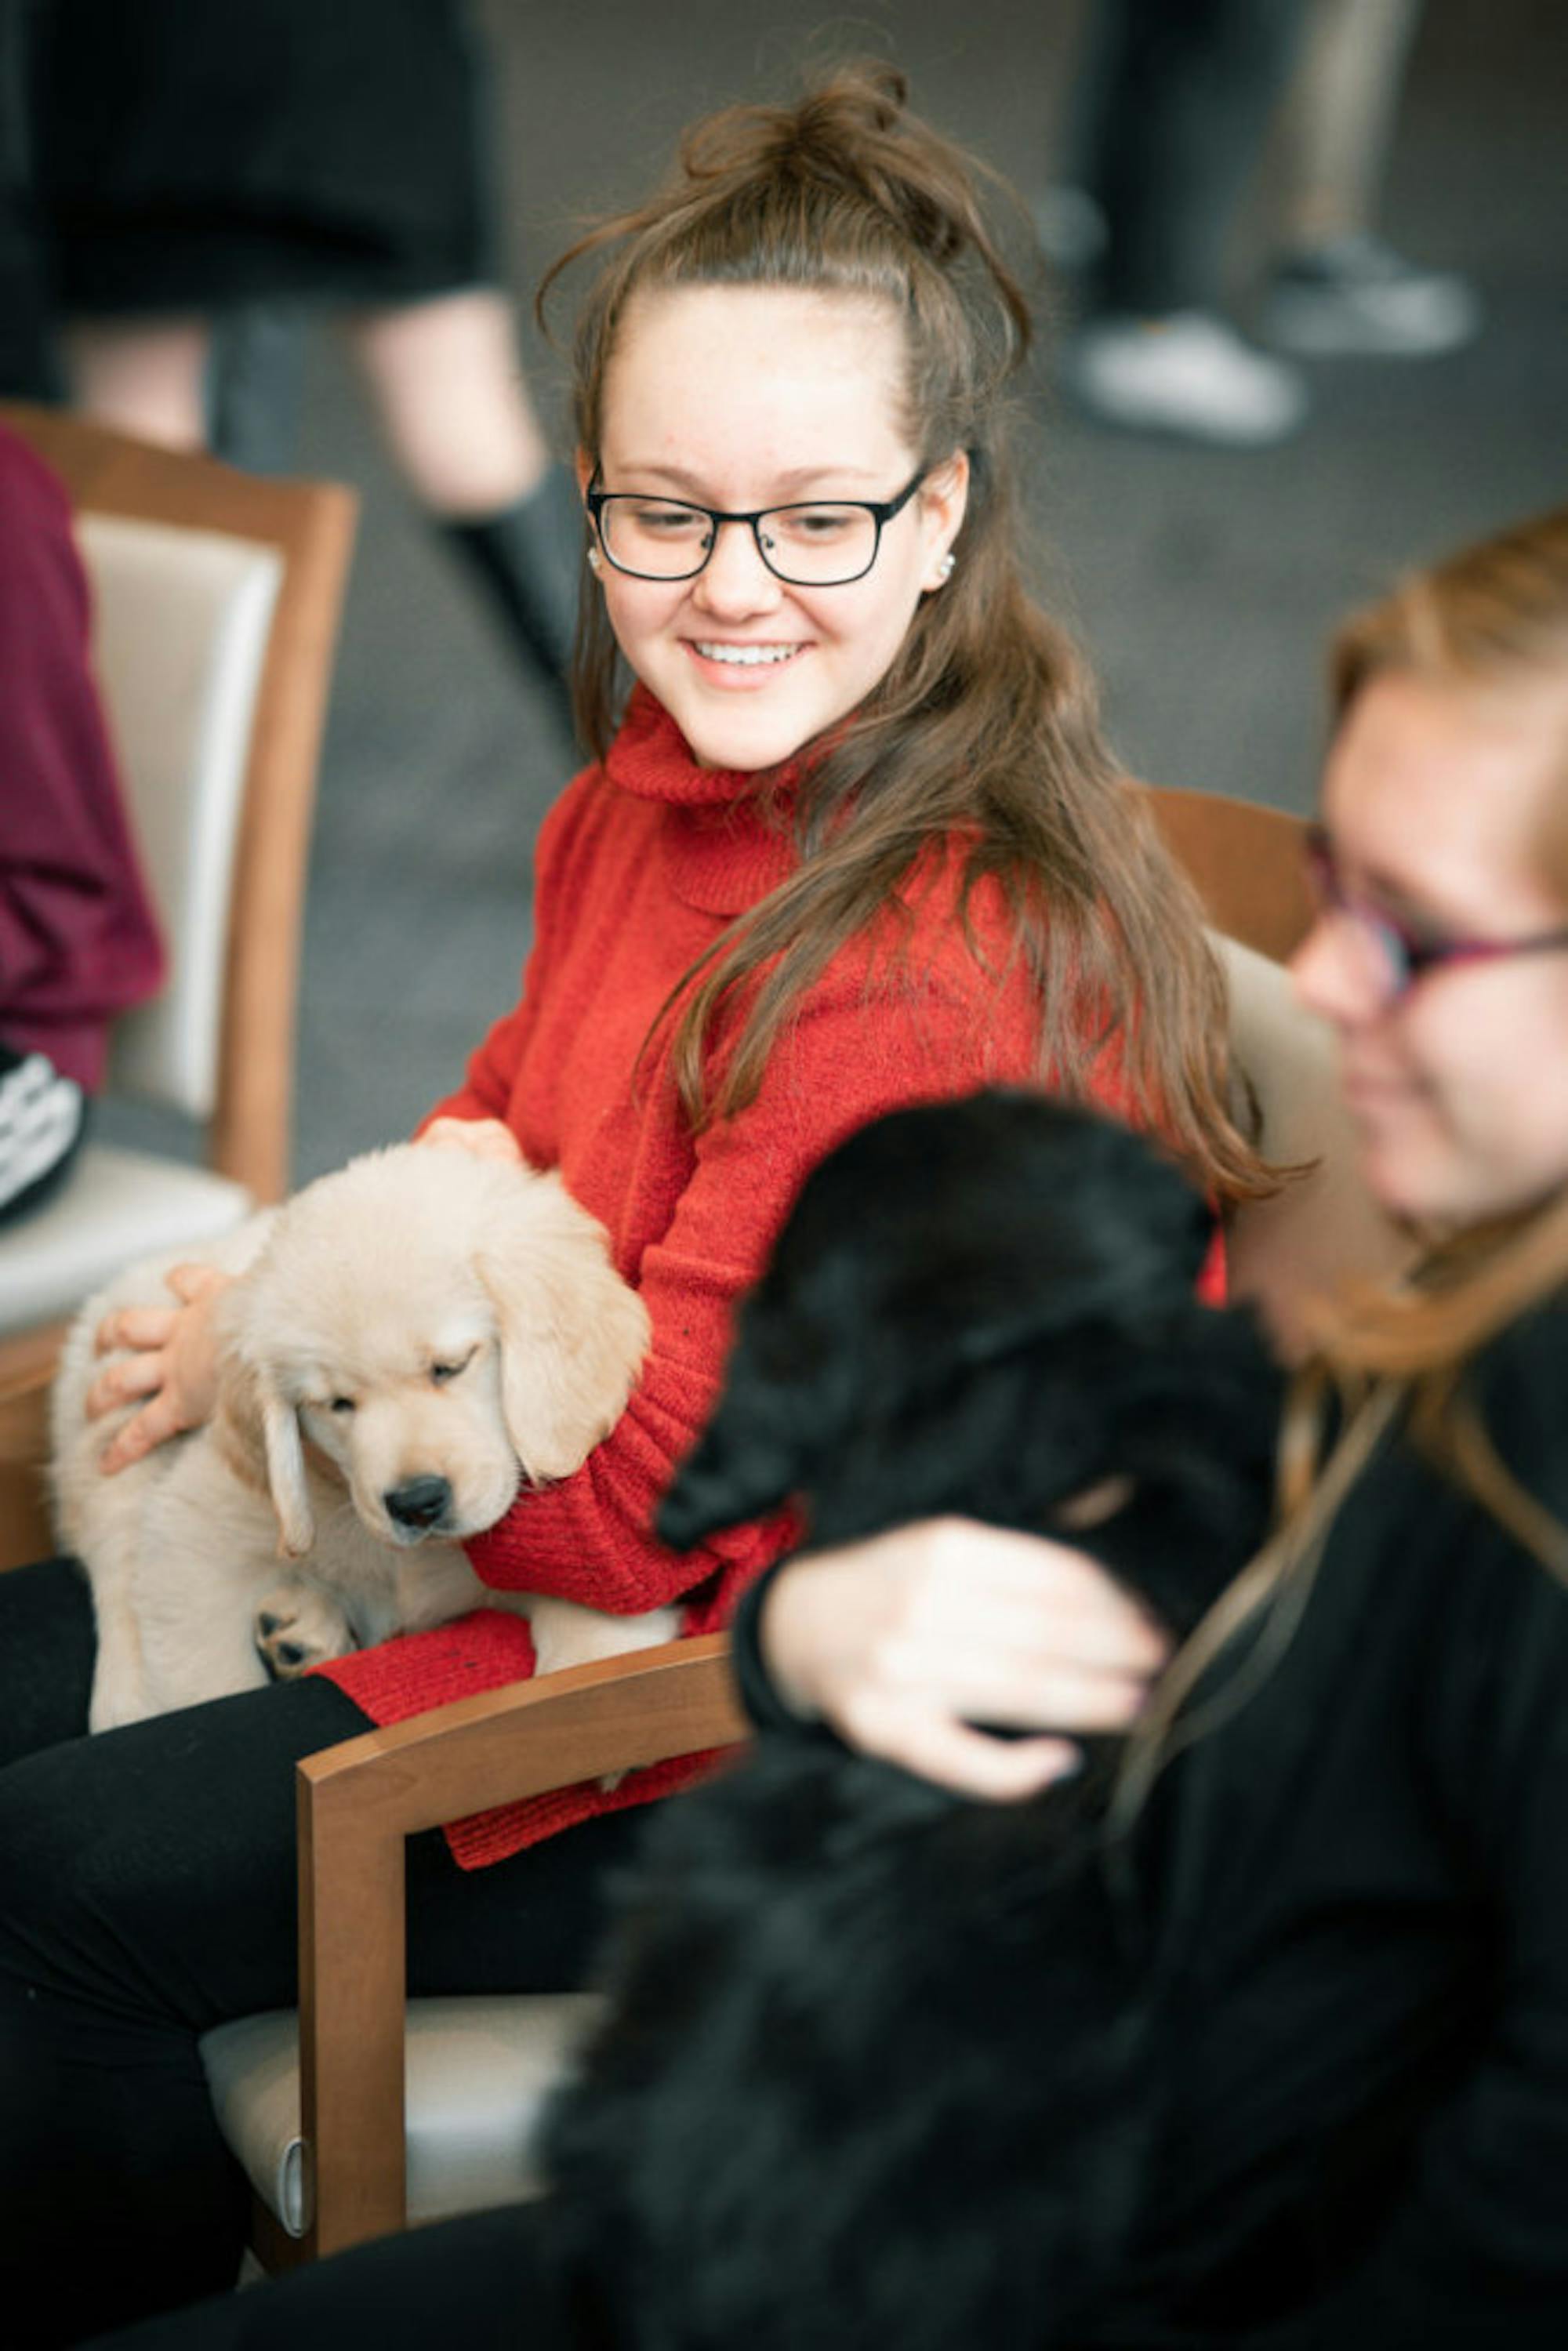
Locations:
(758, 1695)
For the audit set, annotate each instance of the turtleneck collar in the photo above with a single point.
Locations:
(722, 852)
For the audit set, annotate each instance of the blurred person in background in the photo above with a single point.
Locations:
(194, 163)
(1175, 101)
(27, 368)
(78, 942)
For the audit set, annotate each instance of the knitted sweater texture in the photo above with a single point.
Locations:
(641, 865)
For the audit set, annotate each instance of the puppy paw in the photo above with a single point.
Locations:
(297, 1627)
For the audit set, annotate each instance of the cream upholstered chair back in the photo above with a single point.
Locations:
(1322, 1229)
(215, 599)
(180, 624)
(357, 2114)
(182, 619)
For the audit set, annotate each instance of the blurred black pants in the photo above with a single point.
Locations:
(1174, 100)
(147, 1893)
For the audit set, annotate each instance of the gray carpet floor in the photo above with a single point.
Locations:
(1203, 582)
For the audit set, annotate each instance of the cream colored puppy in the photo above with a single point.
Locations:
(411, 1342)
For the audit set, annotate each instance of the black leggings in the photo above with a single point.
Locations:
(147, 1893)
(480, 2283)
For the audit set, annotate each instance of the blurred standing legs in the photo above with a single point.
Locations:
(1339, 288)
(452, 409)
(1176, 98)
(1174, 106)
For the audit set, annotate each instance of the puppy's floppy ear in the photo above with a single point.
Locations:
(258, 1432)
(285, 1469)
(255, 1429)
(572, 1333)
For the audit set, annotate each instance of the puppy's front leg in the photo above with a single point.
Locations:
(119, 1679)
(119, 1691)
(566, 1633)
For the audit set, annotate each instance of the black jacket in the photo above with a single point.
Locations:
(1359, 1890)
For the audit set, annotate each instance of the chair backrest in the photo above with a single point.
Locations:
(218, 596)
(1245, 862)
(180, 624)
(1323, 1229)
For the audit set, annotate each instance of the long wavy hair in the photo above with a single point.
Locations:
(1493, 618)
(985, 730)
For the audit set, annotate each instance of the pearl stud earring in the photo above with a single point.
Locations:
(945, 569)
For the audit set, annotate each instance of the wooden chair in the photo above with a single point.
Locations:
(325, 2145)
(1246, 864)
(315, 2106)
(218, 598)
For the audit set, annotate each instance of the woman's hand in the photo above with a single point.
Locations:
(904, 1642)
(173, 1361)
(486, 1138)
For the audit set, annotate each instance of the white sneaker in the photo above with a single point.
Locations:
(41, 1118)
(1191, 374)
(1356, 295)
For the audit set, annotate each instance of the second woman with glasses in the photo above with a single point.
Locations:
(850, 838)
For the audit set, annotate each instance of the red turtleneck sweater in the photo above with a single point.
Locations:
(641, 865)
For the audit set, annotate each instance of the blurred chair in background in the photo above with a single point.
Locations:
(218, 601)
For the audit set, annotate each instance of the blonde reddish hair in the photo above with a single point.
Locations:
(1493, 618)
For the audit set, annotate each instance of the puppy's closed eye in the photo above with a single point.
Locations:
(442, 1374)
(341, 1405)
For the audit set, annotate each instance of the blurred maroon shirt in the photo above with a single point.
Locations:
(78, 941)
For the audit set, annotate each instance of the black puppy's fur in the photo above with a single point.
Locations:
(871, 2069)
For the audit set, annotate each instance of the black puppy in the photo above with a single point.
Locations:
(871, 2074)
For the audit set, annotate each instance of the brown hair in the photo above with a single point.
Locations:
(985, 729)
(1494, 615)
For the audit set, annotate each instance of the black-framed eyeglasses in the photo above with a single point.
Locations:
(1403, 953)
(815, 543)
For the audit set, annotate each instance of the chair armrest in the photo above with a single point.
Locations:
(357, 1803)
(28, 1362)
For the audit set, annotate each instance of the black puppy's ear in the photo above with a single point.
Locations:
(782, 1397)
(727, 1478)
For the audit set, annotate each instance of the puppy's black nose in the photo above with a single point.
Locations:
(418, 1501)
